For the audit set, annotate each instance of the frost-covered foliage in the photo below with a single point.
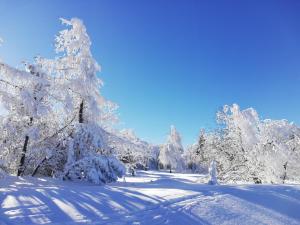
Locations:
(24, 95)
(55, 116)
(194, 155)
(96, 169)
(170, 155)
(75, 76)
(247, 149)
(132, 151)
(89, 158)
(86, 140)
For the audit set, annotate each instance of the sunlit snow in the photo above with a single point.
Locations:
(149, 198)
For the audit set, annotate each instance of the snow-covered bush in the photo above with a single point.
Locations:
(97, 169)
(86, 139)
(213, 173)
(88, 157)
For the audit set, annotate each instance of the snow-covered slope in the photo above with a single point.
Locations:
(149, 198)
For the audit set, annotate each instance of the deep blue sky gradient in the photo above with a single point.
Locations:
(174, 62)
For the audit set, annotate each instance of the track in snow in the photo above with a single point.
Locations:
(150, 198)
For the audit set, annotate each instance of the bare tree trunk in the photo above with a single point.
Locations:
(22, 161)
(24, 150)
(81, 112)
(37, 168)
(41, 163)
(80, 118)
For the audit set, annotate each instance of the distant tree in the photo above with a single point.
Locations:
(170, 155)
(196, 155)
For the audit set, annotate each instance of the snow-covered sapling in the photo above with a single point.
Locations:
(213, 174)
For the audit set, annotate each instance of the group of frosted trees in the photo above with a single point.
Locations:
(55, 122)
(243, 148)
(54, 118)
(247, 149)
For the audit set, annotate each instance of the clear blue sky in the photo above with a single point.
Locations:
(174, 62)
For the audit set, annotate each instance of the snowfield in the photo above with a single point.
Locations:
(149, 198)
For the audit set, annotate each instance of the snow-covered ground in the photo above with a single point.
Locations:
(149, 198)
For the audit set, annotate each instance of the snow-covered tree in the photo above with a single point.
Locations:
(277, 151)
(75, 72)
(196, 156)
(238, 137)
(24, 94)
(247, 149)
(170, 156)
(84, 111)
(292, 166)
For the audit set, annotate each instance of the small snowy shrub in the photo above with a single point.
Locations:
(2, 174)
(213, 174)
(96, 169)
(131, 170)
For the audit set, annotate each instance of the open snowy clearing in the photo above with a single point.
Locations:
(149, 198)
